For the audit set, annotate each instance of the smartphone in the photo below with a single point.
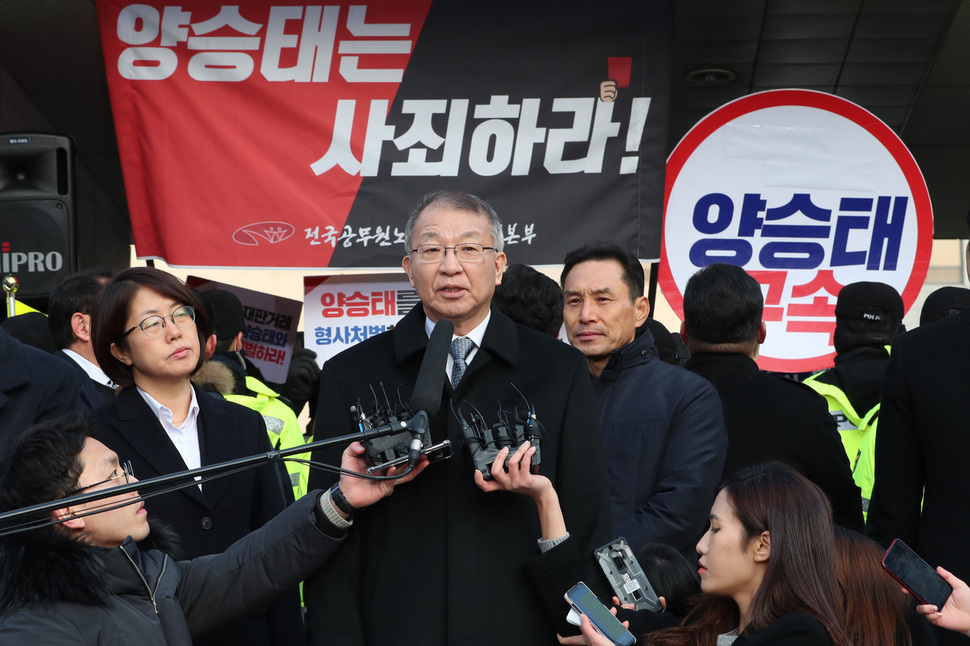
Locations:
(915, 574)
(629, 582)
(582, 599)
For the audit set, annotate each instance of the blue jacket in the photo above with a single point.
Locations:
(34, 387)
(664, 442)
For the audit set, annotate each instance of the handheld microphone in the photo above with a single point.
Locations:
(426, 398)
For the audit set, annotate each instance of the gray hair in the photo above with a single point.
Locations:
(460, 202)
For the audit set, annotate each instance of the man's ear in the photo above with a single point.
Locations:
(237, 342)
(118, 353)
(68, 519)
(500, 261)
(642, 307)
(683, 332)
(81, 326)
(762, 332)
(762, 548)
(406, 265)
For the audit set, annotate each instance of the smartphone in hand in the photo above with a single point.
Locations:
(915, 574)
(582, 599)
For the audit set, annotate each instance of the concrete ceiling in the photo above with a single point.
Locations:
(907, 61)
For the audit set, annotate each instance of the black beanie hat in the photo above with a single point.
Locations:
(226, 313)
(944, 302)
(867, 314)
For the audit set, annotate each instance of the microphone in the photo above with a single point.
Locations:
(426, 398)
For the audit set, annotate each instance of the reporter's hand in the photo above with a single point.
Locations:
(360, 492)
(590, 636)
(955, 613)
(519, 478)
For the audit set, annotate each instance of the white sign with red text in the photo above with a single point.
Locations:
(807, 192)
(271, 323)
(342, 311)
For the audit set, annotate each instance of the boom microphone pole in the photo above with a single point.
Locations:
(187, 478)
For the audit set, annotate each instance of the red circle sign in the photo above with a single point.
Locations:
(808, 192)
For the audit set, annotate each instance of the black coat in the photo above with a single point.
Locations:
(794, 629)
(55, 590)
(226, 509)
(770, 418)
(34, 387)
(441, 562)
(923, 442)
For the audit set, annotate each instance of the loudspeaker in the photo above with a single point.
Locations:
(38, 212)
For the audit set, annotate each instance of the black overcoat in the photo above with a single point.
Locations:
(923, 448)
(440, 562)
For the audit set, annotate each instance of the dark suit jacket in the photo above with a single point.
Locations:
(93, 394)
(225, 510)
(441, 562)
(771, 418)
(34, 387)
(923, 440)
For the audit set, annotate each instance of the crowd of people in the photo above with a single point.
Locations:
(759, 506)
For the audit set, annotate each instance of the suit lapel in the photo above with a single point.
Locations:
(143, 432)
(217, 424)
(501, 341)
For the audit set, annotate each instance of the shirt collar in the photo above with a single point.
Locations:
(164, 412)
(93, 370)
(476, 335)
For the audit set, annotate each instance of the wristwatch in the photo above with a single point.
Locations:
(337, 496)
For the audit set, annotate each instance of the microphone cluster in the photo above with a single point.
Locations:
(483, 442)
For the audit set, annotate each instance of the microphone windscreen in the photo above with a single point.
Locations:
(431, 376)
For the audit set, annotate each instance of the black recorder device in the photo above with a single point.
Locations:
(624, 573)
(410, 421)
(482, 442)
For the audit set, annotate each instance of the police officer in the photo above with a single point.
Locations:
(867, 317)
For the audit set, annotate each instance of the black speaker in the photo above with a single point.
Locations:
(38, 212)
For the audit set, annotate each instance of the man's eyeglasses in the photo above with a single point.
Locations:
(464, 252)
(126, 473)
(154, 326)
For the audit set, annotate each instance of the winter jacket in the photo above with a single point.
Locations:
(55, 590)
(664, 441)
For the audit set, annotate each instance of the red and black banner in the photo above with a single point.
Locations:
(301, 135)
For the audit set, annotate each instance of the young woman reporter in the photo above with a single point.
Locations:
(767, 563)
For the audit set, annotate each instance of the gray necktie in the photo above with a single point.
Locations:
(460, 347)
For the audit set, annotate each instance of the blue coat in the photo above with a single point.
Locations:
(664, 441)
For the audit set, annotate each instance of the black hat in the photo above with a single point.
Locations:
(866, 301)
(944, 302)
(226, 312)
(867, 314)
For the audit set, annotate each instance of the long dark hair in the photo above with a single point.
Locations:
(874, 607)
(800, 576)
(112, 307)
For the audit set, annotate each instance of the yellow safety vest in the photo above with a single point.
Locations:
(858, 434)
(282, 427)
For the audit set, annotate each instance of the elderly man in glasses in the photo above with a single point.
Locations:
(97, 573)
(458, 550)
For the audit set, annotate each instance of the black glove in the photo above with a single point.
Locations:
(302, 379)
